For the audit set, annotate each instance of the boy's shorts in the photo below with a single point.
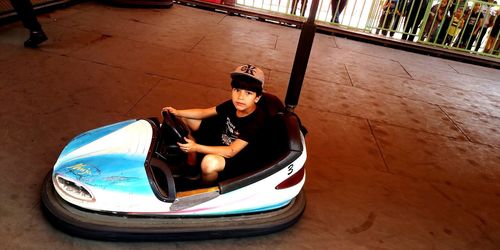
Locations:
(209, 134)
(235, 166)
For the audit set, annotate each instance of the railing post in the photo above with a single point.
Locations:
(424, 21)
(301, 58)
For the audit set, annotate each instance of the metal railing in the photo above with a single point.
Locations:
(461, 25)
(449, 24)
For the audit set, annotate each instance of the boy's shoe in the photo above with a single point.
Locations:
(36, 37)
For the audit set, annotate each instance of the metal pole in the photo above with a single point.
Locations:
(301, 58)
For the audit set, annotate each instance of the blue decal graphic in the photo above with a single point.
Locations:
(113, 172)
(81, 170)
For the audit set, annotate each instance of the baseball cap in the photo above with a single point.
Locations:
(250, 71)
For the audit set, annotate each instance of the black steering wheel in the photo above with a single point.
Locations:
(178, 127)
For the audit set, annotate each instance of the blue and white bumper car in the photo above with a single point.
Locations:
(120, 182)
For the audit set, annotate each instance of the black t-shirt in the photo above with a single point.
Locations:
(472, 21)
(225, 127)
(230, 127)
(233, 127)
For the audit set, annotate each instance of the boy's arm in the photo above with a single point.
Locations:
(491, 22)
(478, 26)
(386, 4)
(193, 113)
(224, 151)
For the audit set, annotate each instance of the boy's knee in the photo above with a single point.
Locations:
(212, 164)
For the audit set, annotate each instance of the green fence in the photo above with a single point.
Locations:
(471, 26)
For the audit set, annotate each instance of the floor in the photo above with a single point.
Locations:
(403, 148)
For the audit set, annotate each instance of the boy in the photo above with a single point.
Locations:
(493, 43)
(390, 17)
(457, 24)
(437, 14)
(474, 21)
(227, 132)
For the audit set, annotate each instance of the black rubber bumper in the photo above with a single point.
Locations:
(111, 227)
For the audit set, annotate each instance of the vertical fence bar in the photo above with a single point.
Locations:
(424, 21)
(361, 14)
(336, 14)
(408, 14)
(352, 13)
(373, 16)
(318, 13)
(402, 14)
(329, 8)
(459, 42)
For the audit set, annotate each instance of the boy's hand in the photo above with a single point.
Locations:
(189, 146)
(170, 110)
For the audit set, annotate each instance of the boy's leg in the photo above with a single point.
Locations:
(411, 25)
(496, 47)
(470, 41)
(211, 165)
(489, 44)
(395, 24)
(479, 40)
(24, 9)
(464, 36)
(381, 23)
(387, 23)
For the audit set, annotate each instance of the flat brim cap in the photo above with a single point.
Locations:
(250, 71)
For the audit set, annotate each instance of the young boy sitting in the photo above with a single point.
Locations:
(226, 133)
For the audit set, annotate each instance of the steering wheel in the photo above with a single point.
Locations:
(177, 125)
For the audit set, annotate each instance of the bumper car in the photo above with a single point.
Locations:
(123, 182)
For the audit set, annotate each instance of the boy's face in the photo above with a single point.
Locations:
(476, 7)
(244, 100)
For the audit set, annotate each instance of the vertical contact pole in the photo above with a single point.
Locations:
(301, 58)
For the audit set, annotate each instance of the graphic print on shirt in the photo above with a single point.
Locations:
(230, 134)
